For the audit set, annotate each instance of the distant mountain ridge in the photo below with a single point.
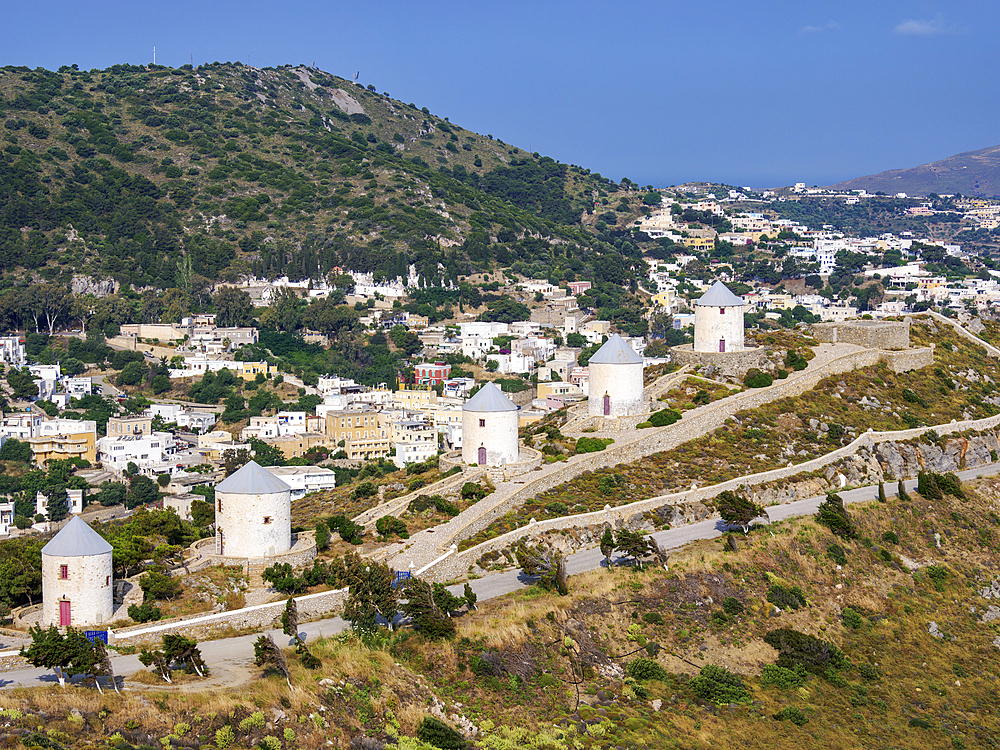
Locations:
(968, 173)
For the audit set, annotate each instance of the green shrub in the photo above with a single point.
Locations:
(782, 677)
(832, 514)
(388, 526)
(224, 737)
(653, 618)
(363, 490)
(792, 714)
(851, 619)
(145, 612)
(645, 669)
(837, 553)
(919, 723)
(884, 554)
(592, 445)
(756, 378)
(786, 597)
(799, 649)
(927, 485)
(870, 673)
(732, 606)
(938, 575)
(665, 417)
(435, 732)
(718, 617)
(718, 685)
(890, 537)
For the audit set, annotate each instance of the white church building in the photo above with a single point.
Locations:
(615, 375)
(489, 428)
(253, 514)
(77, 578)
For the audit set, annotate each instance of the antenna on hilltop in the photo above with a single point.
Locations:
(154, 54)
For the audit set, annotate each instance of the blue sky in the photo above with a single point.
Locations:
(760, 94)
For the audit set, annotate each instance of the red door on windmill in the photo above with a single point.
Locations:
(607, 405)
(722, 346)
(482, 455)
(65, 616)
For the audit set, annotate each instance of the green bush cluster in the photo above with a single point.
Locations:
(388, 526)
(783, 677)
(720, 686)
(350, 532)
(851, 619)
(792, 714)
(424, 502)
(934, 486)
(474, 491)
(435, 732)
(592, 445)
(645, 669)
(797, 649)
(786, 597)
(832, 514)
(665, 417)
(733, 606)
(938, 575)
(795, 360)
(837, 553)
(144, 612)
(757, 378)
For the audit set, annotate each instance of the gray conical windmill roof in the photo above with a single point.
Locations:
(720, 296)
(252, 479)
(489, 398)
(615, 352)
(76, 539)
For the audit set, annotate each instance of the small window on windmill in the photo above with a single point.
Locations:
(482, 422)
(64, 572)
(267, 520)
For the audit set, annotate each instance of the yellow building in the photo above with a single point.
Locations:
(295, 446)
(667, 298)
(82, 445)
(250, 370)
(365, 434)
(698, 243)
(413, 399)
(138, 425)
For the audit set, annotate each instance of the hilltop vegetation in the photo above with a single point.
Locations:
(181, 177)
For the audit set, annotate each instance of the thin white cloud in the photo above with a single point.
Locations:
(829, 26)
(926, 27)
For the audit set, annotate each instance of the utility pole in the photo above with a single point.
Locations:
(154, 54)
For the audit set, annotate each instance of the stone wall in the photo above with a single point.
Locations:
(442, 487)
(991, 350)
(303, 551)
(693, 425)
(920, 457)
(734, 364)
(259, 617)
(871, 334)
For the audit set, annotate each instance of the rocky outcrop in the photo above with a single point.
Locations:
(91, 285)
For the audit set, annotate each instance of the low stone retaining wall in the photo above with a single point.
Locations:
(991, 350)
(458, 564)
(398, 505)
(303, 551)
(734, 364)
(259, 617)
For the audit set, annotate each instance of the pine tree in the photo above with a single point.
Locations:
(881, 492)
(607, 545)
(268, 655)
(901, 491)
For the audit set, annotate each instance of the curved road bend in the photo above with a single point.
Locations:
(239, 650)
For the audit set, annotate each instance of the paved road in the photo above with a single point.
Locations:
(239, 650)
